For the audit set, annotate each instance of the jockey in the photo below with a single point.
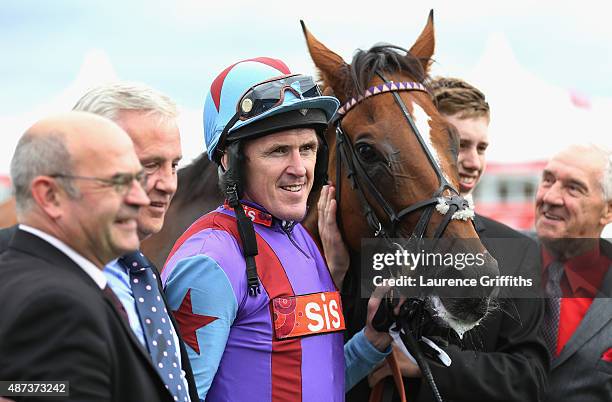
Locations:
(252, 294)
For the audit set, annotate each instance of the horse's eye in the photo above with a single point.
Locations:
(367, 153)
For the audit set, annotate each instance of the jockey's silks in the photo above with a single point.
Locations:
(244, 355)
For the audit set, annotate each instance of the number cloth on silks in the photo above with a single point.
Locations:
(238, 351)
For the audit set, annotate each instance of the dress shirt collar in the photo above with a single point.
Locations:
(90, 268)
(584, 272)
(115, 263)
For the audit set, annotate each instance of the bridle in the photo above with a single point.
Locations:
(452, 206)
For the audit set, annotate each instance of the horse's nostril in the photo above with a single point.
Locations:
(468, 310)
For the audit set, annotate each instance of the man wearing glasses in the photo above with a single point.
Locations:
(149, 118)
(253, 296)
(78, 189)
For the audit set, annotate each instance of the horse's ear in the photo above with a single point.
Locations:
(334, 71)
(423, 48)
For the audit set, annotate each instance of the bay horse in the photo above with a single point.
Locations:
(390, 150)
(392, 157)
(8, 214)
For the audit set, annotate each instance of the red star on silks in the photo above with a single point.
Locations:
(189, 322)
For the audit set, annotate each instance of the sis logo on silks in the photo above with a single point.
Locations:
(315, 313)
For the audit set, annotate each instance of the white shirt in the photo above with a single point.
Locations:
(118, 280)
(89, 267)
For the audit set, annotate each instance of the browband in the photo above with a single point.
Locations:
(380, 89)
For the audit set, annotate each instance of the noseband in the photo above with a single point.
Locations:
(452, 206)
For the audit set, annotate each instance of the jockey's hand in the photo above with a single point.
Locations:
(380, 340)
(407, 368)
(335, 250)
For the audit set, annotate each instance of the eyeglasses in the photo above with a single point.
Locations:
(268, 94)
(121, 182)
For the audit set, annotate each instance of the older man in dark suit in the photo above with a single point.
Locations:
(149, 118)
(573, 205)
(78, 186)
(6, 235)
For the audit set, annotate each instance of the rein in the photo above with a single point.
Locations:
(451, 206)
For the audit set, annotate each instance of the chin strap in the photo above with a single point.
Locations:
(247, 236)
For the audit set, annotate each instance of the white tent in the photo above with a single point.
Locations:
(96, 69)
(530, 118)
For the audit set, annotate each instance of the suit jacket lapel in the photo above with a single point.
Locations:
(128, 330)
(479, 225)
(185, 363)
(39, 248)
(34, 245)
(597, 316)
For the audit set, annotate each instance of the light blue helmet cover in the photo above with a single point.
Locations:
(229, 86)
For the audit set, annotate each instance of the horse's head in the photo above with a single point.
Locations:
(398, 156)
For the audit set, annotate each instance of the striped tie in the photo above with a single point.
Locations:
(550, 324)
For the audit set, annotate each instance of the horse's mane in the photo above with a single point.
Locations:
(198, 178)
(390, 59)
(384, 58)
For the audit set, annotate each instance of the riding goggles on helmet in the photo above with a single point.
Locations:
(265, 96)
(268, 94)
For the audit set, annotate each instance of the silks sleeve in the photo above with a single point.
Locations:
(360, 358)
(205, 306)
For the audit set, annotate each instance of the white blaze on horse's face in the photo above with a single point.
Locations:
(421, 120)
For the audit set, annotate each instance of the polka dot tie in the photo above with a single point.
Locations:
(156, 323)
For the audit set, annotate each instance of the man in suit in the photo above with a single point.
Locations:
(504, 358)
(78, 188)
(150, 119)
(6, 235)
(573, 205)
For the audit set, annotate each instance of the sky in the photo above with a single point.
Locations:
(179, 46)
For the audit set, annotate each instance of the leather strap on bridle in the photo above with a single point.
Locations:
(361, 183)
(381, 392)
